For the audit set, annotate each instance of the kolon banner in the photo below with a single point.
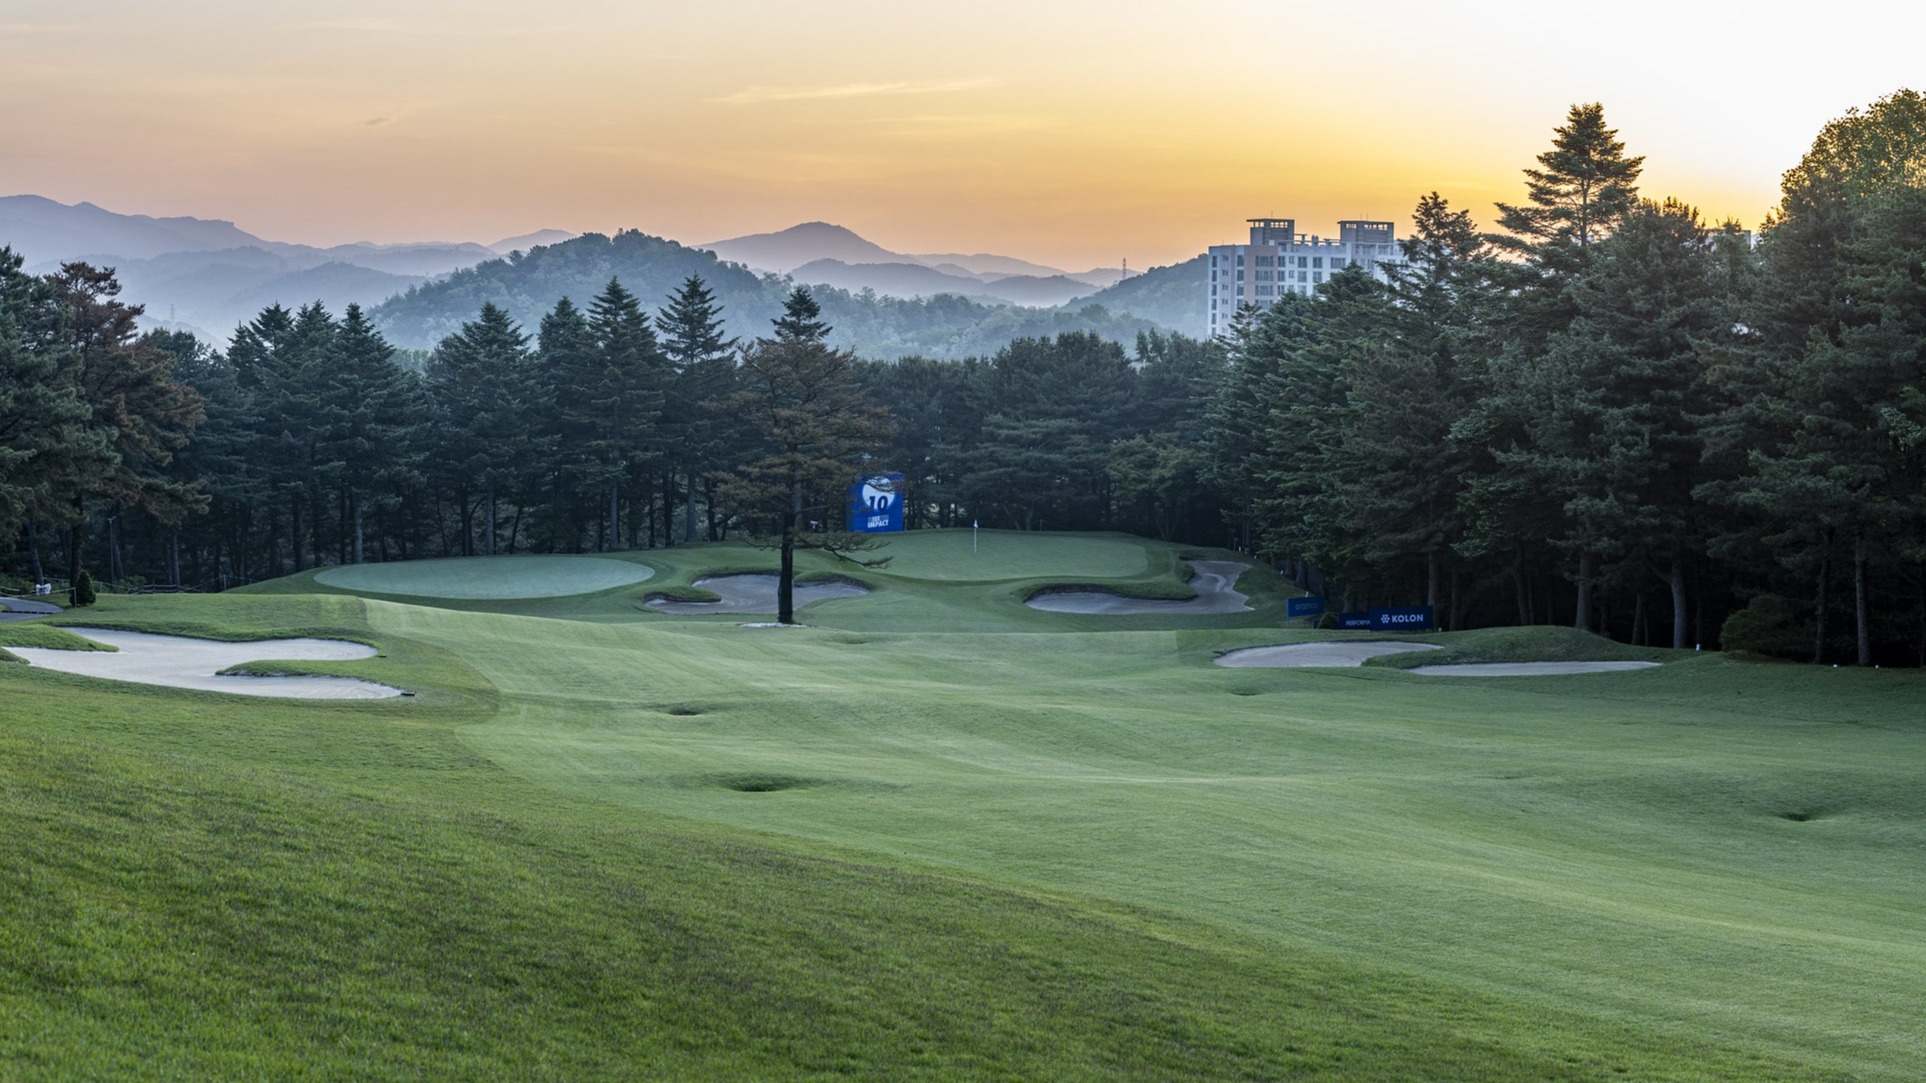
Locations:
(876, 504)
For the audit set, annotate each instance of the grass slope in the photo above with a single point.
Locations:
(938, 838)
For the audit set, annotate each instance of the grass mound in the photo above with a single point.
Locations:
(484, 578)
(47, 636)
(1539, 643)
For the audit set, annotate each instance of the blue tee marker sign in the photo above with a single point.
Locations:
(876, 504)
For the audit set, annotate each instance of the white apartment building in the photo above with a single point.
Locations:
(1280, 260)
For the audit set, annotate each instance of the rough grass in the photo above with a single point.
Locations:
(41, 634)
(894, 847)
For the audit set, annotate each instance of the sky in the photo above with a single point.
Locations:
(1077, 134)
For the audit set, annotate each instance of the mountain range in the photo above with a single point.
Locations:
(209, 276)
(819, 253)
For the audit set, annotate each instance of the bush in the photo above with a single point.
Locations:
(1770, 625)
(83, 593)
(1328, 621)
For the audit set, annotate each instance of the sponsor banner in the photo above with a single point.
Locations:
(1354, 621)
(876, 504)
(1410, 618)
(1303, 607)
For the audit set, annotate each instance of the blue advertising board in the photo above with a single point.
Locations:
(1354, 621)
(1303, 607)
(876, 504)
(1409, 618)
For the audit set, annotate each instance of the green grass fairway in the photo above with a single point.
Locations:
(472, 578)
(993, 555)
(938, 835)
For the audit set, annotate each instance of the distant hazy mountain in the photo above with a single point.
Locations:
(43, 231)
(528, 241)
(987, 264)
(946, 326)
(786, 250)
(1173, 296)
(208, 276)
(916, 280)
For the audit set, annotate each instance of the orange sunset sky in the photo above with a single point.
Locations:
(1073, 133)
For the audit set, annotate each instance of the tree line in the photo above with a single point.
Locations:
(1611, 414)
(1605, 412)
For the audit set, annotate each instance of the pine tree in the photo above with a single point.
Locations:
(803, 399)
(480, 384)
(1402, 469)
(702, 366)
(627, 395)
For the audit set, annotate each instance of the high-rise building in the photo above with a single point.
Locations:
(1280, 260)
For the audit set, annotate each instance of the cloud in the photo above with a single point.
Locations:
(758, 95)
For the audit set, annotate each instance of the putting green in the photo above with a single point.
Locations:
(487, 577)
(954, 556)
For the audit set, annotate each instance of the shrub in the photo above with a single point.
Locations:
(1770, 625)
(1328, 621)
(83, 593)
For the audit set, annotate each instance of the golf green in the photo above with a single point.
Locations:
(499, 577)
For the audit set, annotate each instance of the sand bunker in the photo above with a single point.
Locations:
(1211, 579)
(1528, 669)
(179, 662)
(487, 578)
(752, 594)
(1295, 655)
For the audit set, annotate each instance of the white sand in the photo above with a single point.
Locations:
(1528, 669)
(753, 594)
(1211, 579)
(179, 662)
(1294, 655)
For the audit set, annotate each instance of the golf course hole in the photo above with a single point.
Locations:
(487, 578)
(766, 783)
(682, 710)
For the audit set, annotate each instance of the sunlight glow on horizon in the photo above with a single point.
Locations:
(1074, 134)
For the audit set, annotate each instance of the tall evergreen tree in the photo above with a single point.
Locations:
(479, 382)
(627, 396)
(702, 372)
(816, 424)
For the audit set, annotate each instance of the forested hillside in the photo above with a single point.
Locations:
(874, 326)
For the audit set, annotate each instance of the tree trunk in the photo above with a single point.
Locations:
(1582, 620)
(73, 558)
(294, 529)
(174, 558)
(1819, 602)
(786, 581)
(689, 510)
(1431, 580)
(1640, 637)
(615, 515)
(490, 547)
(1862, 606)
(357, 528)
(1677, 582)
(33, 547)
(1518, 586)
